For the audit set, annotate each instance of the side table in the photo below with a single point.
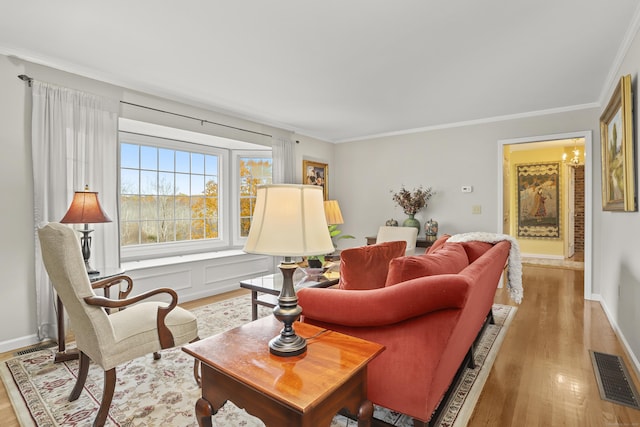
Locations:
(421, 242)
(299, 391)
(265, 289)
(63, 355)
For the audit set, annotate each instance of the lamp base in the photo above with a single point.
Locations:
(294, 347)
(287, 311)
(85, 242)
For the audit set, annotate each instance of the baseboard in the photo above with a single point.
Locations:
(20, 342)
(620, 335)
(544, 256)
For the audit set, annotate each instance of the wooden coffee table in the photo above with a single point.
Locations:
(299, 391)
(265, 289)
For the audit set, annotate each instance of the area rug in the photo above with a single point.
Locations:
(163, 392)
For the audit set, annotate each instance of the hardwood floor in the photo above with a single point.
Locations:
(543, 374)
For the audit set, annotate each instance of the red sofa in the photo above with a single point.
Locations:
(427, 315)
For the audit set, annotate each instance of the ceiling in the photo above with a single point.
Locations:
(333, 69)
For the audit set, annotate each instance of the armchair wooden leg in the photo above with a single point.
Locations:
(83, 370)
(107, 396)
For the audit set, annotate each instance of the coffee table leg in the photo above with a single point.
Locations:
(254, 305)
(204, 411)
(365, 413)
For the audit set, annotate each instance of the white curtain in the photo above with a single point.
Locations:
(74, 143)
(283, 161)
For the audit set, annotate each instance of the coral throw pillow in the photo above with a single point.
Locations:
(438, 243)
(366, 267)
(476, 249)
(450, 258)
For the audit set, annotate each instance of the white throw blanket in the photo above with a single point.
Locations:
(514, 282)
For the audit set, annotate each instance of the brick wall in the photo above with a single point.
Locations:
(578, 229)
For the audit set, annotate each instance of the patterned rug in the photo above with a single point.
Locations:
(163, 392)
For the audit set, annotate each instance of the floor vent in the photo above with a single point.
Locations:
(614, 380)
(35, 348)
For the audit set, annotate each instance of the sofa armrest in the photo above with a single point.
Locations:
(384, 306)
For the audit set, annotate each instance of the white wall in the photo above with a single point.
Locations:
(444, 159)
(616, 259)
(17, 292)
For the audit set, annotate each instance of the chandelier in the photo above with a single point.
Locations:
(575, 160)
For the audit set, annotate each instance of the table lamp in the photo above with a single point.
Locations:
(85, 209)
(288, 221)
(332, 212)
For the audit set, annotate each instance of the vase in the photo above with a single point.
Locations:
(411, 222)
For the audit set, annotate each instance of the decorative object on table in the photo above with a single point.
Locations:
(538, 200)
(315, 261)
(85, 209)
(391, 223)
(288, 221)
(616, 140)
(334, 217)
(316, 173)
(412, 202)
(431, 230)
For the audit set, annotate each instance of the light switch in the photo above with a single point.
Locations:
(467, 189)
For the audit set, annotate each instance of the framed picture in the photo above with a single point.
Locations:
(538, 200)
(315, 173)
(616, 139)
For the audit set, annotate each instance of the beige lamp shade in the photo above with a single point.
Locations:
(289, 220)
(332, 212)
(85, 209)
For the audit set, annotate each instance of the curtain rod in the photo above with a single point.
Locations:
(202, 121)
(26, 78)
(29, 81)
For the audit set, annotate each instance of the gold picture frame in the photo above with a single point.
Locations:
(616, 140)
(316, 173)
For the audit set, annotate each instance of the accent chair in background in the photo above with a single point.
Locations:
(391, 234)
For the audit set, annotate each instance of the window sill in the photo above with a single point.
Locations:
(180, 259)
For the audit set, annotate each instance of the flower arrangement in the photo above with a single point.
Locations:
(412, 202)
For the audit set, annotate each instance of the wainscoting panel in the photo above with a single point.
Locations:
(237, 269)
(198, 277)
(178, 279)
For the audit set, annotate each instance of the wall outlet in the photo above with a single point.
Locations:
(467, 189)
(476, 209)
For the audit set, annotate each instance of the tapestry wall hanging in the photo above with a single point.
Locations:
(539, 200)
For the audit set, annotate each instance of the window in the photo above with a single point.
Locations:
(180, 197)
(253, 171)
(167, 195)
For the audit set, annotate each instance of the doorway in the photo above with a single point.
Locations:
(507, 198)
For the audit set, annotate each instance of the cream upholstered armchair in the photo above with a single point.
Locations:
(136, 329)
(392, 234)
